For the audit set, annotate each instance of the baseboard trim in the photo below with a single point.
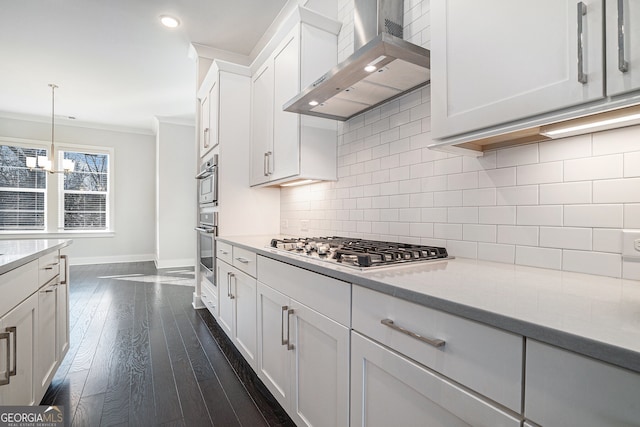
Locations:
(74, 260)
(175, 263)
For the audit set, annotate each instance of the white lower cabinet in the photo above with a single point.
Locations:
(564, 389)
(303, 355)
(388, 389)
(18, 346)
(47, 352)
(237, 309)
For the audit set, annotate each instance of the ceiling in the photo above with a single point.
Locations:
(115, 64)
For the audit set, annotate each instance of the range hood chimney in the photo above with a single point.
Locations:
(383, 66)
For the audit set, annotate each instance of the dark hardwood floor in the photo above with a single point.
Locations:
(141, 355)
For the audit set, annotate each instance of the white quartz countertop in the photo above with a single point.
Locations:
(592, 315)
(14, 253)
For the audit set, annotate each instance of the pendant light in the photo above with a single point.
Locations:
(48, 163)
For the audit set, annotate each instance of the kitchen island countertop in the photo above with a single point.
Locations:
(595, 316)
(14, 253)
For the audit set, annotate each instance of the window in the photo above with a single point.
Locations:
(84, 200)
(22, 191)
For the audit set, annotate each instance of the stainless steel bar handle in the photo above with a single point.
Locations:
(66, 270)
(13, 330)
(623, 64)
(229, 276)
(6, 336)
(223, 252)
(265, 165)
(289, 345)
(242, 260)
(206, 137)
(50, 289)
(269, 166)
(205, 230)
(430, 341)
(51, 266)
(285, 341)
(582, 11)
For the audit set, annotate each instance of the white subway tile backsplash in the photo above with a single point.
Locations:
(603, 264)
(504, 177)
(518, 235)
(591, 168)
(539, 215)
(539, 173)
(632, 164)
(496, 252)
(479, 197)
(566, 238)
(632, 216)
(607, 240)
(479, 233)
(497, 215)
(461, 181)
(447, 231)
(566, 193)
(605, 216)
(525, 195)
(557, 204)
(616, 141)
(539, 257)
(617, 191)
(519, 155)
(462, 215)
(567, 148)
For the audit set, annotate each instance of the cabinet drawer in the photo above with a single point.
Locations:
(566, 389)
(328, 296)
(209, 297)
(244, 260)
(16, 285)
(480, 357)
(48, 267)
(224, 251)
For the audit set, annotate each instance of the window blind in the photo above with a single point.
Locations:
(84, 201)
(22, 191)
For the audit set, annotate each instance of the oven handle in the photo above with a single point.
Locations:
(206, 230)
(205, 173)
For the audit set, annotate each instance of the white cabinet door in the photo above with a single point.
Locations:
(47, 351)
(320, 388)
(225, 298)
(20, 344)
(243, 290)
(62, 319)
(622, 46)
(502, 60)
(390, 390)
(214, 104)
(286, 126)
(203, 135)
(274, 360)
(261, 124)
(563, 389)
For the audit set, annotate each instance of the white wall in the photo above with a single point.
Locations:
(175, 195)
(559, 204)
(134, 189)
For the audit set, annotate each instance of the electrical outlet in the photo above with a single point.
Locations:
(631, 243)
(304, 225)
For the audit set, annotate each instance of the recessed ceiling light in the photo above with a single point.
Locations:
(313, 103)
(169, 21)
(370, 68)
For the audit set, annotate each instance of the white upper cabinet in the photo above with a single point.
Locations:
(504, 60)
(622, 28)
(285, 146)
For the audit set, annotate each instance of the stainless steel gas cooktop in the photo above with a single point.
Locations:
(359, 253)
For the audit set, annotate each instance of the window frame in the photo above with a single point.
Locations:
(54, 192)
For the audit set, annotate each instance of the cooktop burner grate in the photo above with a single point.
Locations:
(359, 252)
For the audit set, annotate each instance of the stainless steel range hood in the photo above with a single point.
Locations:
(382, 69)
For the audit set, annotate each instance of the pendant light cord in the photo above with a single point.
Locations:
(53, 111)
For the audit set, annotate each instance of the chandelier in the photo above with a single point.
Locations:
(47, 163)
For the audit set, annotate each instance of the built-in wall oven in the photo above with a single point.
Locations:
(208, 182)
(207, 231)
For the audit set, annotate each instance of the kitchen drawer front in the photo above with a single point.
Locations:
(16, 285)
(224, 252)
(209, 298)
(325, 295)
(244, 260)
(480, 357)
(49, 267)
